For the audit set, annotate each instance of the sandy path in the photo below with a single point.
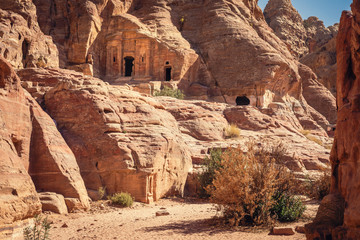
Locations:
(187, 220)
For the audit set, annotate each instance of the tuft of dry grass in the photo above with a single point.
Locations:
(232, 131)
(308, 135)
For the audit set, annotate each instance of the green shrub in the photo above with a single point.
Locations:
(122, 199)
(212, 164)
(40, 230)
(101, 192)
(231, 131)
(167, 91)
(287, 208)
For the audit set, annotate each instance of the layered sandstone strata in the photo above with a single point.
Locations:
(309, 40)
(22, 43)
(288, 25)
(34, 156)
(122, 141)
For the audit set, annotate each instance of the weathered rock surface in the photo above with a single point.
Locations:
(144, 40)
(318, 35)
(18, 198)
(27, 134)
(123, 127)
(309, 40)
(323, 63)
(288, 25)
(53, 202)
(22, 43)
(122, 140)
(338, 215)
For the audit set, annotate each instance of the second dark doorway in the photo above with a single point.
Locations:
(167, 73)
(129, 63)
(242, 101)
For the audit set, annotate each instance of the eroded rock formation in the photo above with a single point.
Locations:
(122, 140)
(309, 40)
(22, 43)
(338, 215)
(288, 25)
(34, 156)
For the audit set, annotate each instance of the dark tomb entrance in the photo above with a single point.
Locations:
(167, 73)
(128, 66)
(242, 101)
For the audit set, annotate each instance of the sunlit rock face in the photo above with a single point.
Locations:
(34, 156)
(338, 215)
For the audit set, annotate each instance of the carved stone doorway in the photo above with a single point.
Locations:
(129, 63)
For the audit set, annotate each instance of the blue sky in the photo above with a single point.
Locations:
(328, 11)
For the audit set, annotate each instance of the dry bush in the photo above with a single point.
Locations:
(231, 131)
(246, 183)
(318, 188)
(314, 139)
(311, 137)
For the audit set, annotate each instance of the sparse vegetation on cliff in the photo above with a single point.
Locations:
(311, 137)
(232, 131)
(169, 92)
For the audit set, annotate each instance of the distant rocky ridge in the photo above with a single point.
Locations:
(308, 40)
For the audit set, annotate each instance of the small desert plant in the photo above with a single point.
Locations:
(212, 164)
(314, 139)
(167, 91)
(245, 187)
(122, 199)
(40, 230)
(287, 208)
(311, 137)
(231, 131)
(318, 188)
(101, 192)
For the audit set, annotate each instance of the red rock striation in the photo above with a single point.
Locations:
(23, 44)
(339, 214)
(33, 154)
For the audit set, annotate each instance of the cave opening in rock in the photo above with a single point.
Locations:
(167, 73)
(242, 101)
(25, 51)
(128, 66)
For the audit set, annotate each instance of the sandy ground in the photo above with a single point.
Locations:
(188, 219)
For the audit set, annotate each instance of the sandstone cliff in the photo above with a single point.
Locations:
(34, 156)
(22, 43)
(338, 215)
(288, 25)
(309, 40)
(116, 138)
